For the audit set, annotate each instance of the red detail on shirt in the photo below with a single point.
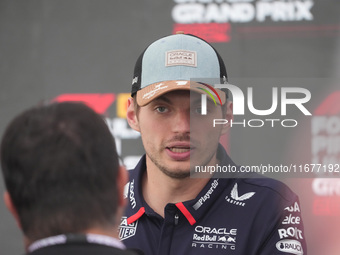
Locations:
(136, 216)
(186, 213)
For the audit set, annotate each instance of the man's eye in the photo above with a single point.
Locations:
(161, 109)
(198, 110)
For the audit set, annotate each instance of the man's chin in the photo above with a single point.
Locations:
(176, 173)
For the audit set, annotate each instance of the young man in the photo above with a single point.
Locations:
(168, 211)
(63, 180)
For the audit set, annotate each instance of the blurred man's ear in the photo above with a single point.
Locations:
(131, 115)
(122, 179)
(10, 206)
(228, 115)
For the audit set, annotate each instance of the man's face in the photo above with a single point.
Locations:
(176, 136)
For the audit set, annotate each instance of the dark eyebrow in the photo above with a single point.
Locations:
(165, 99)
(162, 98)
(197, 101)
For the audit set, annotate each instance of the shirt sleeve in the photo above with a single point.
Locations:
(288, 235)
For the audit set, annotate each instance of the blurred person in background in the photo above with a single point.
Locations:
(64, 185)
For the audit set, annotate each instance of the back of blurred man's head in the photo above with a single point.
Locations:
(60, 167)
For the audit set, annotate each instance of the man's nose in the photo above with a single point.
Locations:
(181, 122)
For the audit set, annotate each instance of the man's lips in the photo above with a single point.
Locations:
(179, 151)
(179, 147)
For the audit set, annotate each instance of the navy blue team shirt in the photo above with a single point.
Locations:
(237, 216)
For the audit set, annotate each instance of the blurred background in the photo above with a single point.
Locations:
(83, 50)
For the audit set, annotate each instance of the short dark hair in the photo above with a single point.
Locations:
(135, 105)
(60, 166)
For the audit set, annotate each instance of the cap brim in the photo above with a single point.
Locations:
(149, 93)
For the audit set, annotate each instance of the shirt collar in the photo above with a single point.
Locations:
(199, 206)
(76, 238)
(192, 209)
(136, 206)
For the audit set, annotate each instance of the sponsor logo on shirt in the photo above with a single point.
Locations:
(127, 230)
(236, 199)
(290, 246)
(290, 232)
(293, 208)
(206, 196)
(214, 238)
(291, 219)
(132, 194)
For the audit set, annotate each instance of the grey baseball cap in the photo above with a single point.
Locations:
(171, 62)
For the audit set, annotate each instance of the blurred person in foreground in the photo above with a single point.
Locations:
(172, 208)
(64, 185)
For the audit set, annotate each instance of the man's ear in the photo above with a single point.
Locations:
(131, 115)
(122, 179)
(10, 206)
(228, 115)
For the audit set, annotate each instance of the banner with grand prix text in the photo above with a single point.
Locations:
(222, 21)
